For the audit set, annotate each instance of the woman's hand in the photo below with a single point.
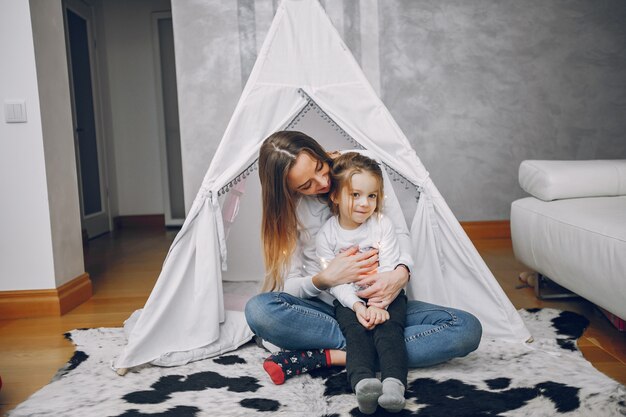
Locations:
(384, 287)
(349, 266)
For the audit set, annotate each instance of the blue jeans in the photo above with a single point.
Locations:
(433, 334)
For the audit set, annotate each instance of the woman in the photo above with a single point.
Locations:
(296, 313)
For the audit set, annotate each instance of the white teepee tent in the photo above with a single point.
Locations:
(304, 79)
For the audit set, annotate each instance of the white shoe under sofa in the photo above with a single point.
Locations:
(572, 229)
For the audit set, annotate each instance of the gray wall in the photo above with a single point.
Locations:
(477, 86)
(208, 73)
(58, 139)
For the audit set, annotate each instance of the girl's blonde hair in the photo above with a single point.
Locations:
(279, 222)
(343, 169)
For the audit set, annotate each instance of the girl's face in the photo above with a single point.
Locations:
(356, 205)
(309, 176)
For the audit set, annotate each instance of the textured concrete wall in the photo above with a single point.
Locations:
(208, 72)
(479, 86)
(476, 85)
(58, 139)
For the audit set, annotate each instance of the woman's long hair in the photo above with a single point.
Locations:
(279, 223)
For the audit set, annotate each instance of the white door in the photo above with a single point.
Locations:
(87, 138)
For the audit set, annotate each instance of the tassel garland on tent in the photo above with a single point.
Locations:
(242, 176)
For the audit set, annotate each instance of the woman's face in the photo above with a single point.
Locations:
(308, 175)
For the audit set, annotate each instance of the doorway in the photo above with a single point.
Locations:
(93, 195)
(167, 114)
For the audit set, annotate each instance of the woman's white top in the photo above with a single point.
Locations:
(377, 232)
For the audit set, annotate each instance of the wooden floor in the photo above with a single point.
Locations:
(124, 268)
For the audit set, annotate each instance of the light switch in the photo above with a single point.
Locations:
(15, 111)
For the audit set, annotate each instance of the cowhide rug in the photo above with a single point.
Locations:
(550, 378)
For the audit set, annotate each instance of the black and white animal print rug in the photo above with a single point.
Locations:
(548, 378)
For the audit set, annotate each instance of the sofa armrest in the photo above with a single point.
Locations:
(555, 180)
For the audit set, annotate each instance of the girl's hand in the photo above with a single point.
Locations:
(370, 317)
(384, 287)
(361, 315)
(377, 315)
(349, 266)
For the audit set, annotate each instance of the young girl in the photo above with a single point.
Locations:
(373, 335)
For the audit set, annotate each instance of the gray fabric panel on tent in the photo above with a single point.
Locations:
(244, 231)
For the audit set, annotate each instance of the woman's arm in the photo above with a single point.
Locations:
(298, 282)
(385, 286)
(348, 266)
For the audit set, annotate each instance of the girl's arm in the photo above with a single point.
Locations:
(346, 295)
(389, 253)
(392, 211)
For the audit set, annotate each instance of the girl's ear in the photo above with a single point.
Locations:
(333, 197)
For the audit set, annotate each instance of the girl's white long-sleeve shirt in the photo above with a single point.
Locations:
(312, 213)
(377, 232)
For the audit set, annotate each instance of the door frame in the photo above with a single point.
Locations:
(165, 183)
(101, 225)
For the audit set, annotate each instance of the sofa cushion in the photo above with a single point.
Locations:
(578, 243)
(554, 180)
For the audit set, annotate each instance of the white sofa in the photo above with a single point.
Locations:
(572, 229)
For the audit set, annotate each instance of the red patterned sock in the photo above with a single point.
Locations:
(284, 365)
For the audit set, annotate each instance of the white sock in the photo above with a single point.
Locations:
(392, 398)
(367, 392)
